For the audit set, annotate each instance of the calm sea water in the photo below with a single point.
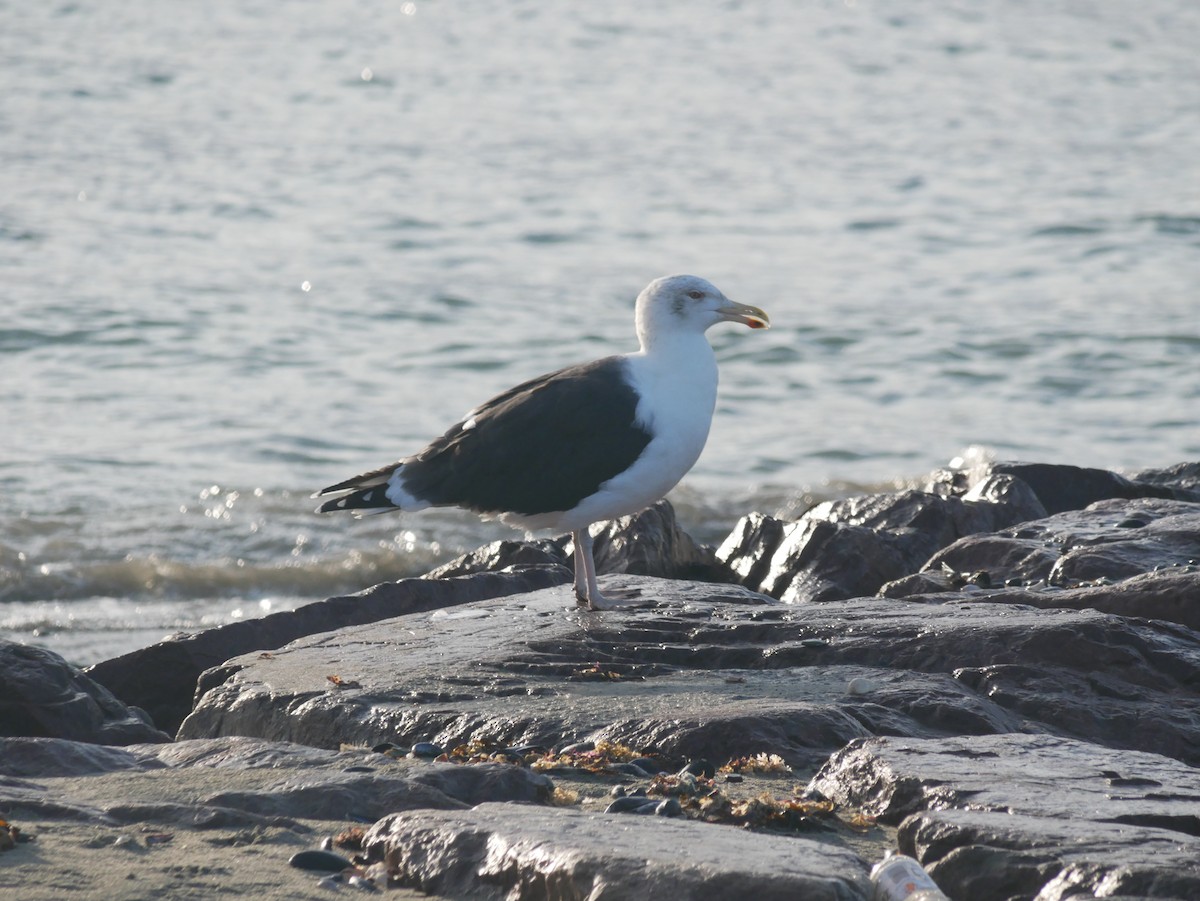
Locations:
(250, 248)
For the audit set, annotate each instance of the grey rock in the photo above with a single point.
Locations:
(1061, 487)
(649, 543)
(717, 672)
(1005, 816)
(1183, 479)
(162, 678)
(1170, 596)
(998, 855)
(891, 778)
(55, 757)
(501, 852)
(43, 695)
(1155, 542)
(750, 548)
(850, 548)
(241, 781)
(1009, 492)
(503, 555)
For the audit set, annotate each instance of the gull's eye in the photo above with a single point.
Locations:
(695, 295)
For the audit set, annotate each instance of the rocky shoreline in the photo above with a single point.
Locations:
(997, 673)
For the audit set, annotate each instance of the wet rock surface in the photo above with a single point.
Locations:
(1019, 816)
(161, 678)
(499, 851)
(43, 695)
(718, 672)
(849, 548)
(1109, 540)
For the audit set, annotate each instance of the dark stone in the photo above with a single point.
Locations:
(162, 678)
(504, 851)
(668, 807)
(649, 543)
(751, 546)
(321, 861)
(1004, 816)
(1182, 478)
(850, 548)
(1061, 487)
(632, 804)
(42, 695)
(502, 555)
(1010, 493)
(719, 672)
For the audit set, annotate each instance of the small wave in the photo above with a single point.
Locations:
(1070, 230)
(869, 225)
(138, 578)
(1172, 225)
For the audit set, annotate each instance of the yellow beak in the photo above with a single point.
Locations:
(744, 313)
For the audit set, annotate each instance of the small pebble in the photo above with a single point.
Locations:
(365, 885)
(734, 777)
(358, 769)
(327, 843)
(384, 747)
(618, 791)
(698, 767)
(649, 764)
(334, 883)
(324, 861)
(860, 685)
(426, 749)
(523, 750)
(579, 747)
(668, 808)
(814, 643)
(630, 769)
(632, 804)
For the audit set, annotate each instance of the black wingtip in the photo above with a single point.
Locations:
(374, 497)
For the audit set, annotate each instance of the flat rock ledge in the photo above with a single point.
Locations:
(161, 678)
(499, 851)
(718, 672)
(1020, 816)
(205, 819)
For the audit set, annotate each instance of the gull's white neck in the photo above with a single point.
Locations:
(678, 369)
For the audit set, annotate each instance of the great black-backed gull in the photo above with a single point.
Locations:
(582, 445)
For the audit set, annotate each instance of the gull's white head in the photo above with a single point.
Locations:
(681, 304)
